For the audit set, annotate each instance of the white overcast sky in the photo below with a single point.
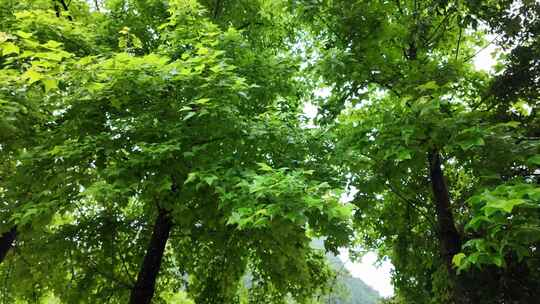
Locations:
(375, 273)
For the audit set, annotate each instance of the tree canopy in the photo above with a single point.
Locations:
(159, 151)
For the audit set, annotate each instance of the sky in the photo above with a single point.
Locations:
(484, 60)
(377, 274)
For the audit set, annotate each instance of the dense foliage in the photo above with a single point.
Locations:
(444, 158)
(158, 151)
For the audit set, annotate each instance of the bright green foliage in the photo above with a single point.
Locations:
(177, 114)
(176, 298)
(30, 70)
(508, 218)
(403, 89)
(29, 76)
(115, 114)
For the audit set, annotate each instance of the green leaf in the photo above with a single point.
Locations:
(404, 155)
(535, 160)
(511, 124)
(24, 35)
(189, 115)
(264, 167)
(502, 205)
(210, 179)
(497, 260)
(458, 259)
(165, 185)
(202, 51)
(431, 85)
(53, 56)
(49, 84)
(122, 42)
(137, 43)
(234, 218)
(51, 44)
(202, 101)
(3, 37)
(191, 177)
(476, 222)
(32, 76)
(9, 48)
(471, 142)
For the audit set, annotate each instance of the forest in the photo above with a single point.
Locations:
(193, 151)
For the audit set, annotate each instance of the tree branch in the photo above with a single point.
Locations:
(411, 203)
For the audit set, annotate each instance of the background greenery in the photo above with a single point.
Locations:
(158, 151)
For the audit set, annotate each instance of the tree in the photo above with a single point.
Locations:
(159, 160)
(156, 150)
(415, 135)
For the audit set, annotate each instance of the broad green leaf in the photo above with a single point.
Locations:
(137, 43)
(497, 260)
(9, 48)
(458, 259)
(467, 144)
(202, 51)
(49, 84)
(202, 101)
(125, 30)
(502, 205)
(477, 221)
(192, 176)
(54, 56)
(534, 160)
(3, 37)
(189, 115)
(404, 155)
(264, 167)
(210, 179)
(51, 44)
(32, 76)
(431, 85)
(24, 35)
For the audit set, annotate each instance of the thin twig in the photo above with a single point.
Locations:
(94, 267)
(66, 8)
(480, 50)
(434, 34)
(126, 270)
(411, 203)
(458, 42)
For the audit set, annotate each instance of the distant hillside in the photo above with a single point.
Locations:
(349, 290)
(352, 290)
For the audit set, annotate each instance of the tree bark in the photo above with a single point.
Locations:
(6, 242)
(143, 290)
(64, 6)
(450, 240)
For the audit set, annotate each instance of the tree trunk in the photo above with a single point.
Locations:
(450, 241)
(64, 5)
(6, 242)
(143, 291)
(449, 238)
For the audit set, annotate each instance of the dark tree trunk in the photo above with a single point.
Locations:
(143, 290)
(449, 238)
(6, 242)
(64, 6)
(450, 241)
